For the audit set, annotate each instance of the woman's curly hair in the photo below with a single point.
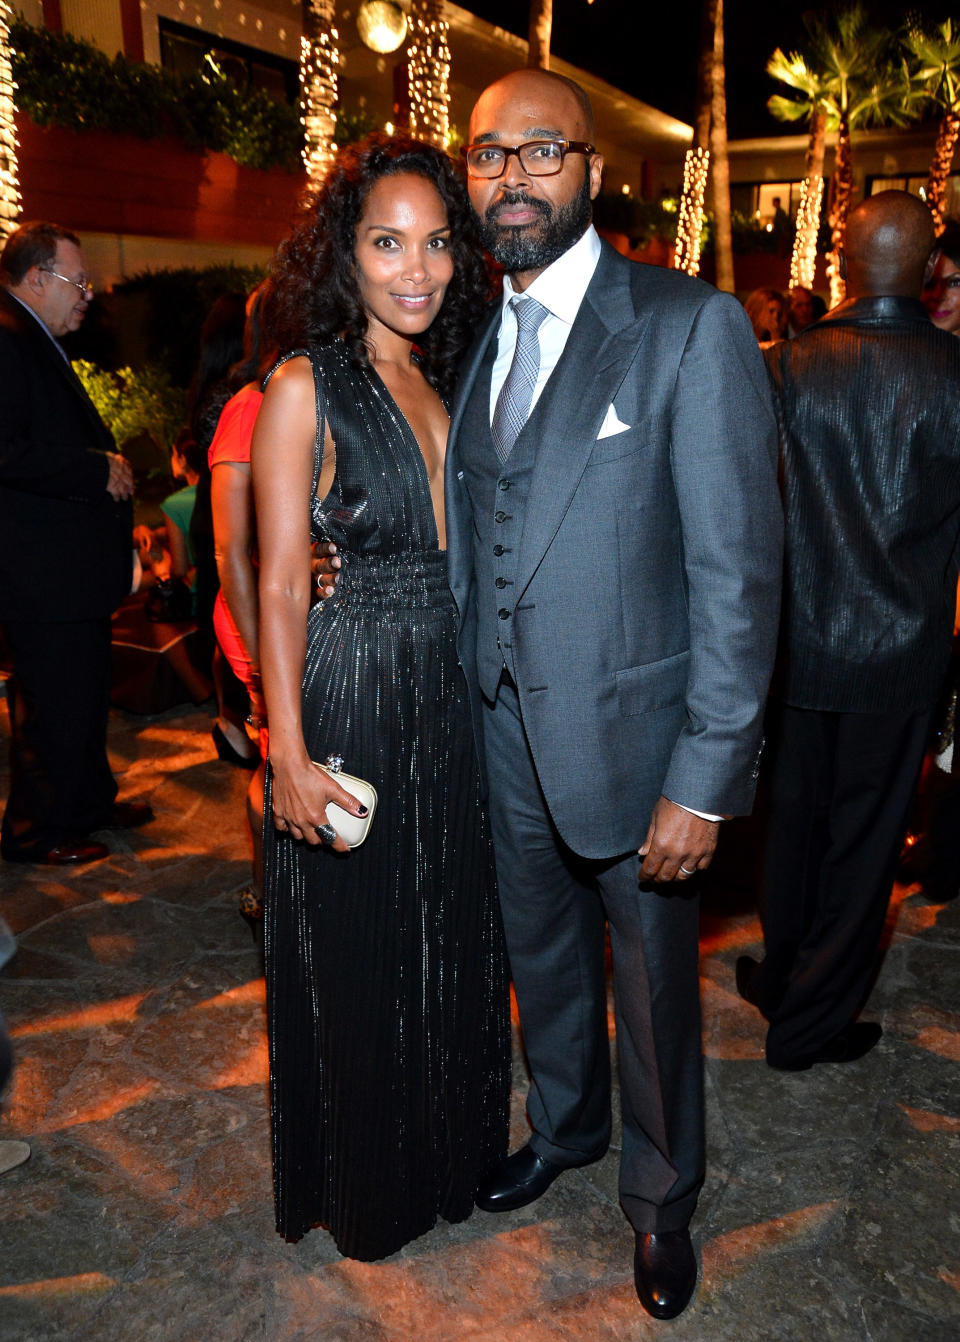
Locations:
(948, 243)
(316, 296)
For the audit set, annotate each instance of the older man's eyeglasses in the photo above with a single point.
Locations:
(538, 158)
(85, 287)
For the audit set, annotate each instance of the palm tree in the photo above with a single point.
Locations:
(933, 64)
(860, 85)
(9, 187)
(809, 104)
(723, 233)
(428, 72)
(697, 159)
(319, 61)
(541, 27)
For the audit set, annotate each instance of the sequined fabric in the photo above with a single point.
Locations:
(386, 979)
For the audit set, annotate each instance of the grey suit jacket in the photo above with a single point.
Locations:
(649, 569)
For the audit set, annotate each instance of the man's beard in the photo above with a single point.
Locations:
(534, 247)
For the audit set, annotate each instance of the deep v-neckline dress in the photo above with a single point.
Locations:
(386, 976)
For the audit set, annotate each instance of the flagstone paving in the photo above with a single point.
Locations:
(136, 1004)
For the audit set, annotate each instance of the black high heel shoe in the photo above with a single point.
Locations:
(225, 751)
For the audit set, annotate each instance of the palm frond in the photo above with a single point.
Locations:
(788, 109)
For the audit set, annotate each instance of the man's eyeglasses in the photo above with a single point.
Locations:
(85, 287)
(538, 158)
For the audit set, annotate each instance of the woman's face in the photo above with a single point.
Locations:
(775, 319)
(403, 255)
(941, 296)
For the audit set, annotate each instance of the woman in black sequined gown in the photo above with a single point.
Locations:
(386, 979)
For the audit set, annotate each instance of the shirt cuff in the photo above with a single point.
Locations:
(702, 814)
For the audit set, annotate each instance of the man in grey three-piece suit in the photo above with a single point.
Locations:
(624, 417)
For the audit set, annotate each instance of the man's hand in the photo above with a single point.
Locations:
(120, 479)
(678, 843)
(325, 566)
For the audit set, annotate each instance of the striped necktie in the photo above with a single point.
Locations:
(516, 394)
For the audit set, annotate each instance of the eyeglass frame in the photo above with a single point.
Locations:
(566, 147)
(85, 287)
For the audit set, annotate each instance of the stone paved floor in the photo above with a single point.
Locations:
(136, 1003)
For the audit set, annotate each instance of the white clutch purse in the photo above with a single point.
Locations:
(353, 829)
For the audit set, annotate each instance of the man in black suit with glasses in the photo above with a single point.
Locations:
(65, 560)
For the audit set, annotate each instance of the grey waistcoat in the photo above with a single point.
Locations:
(498, 495)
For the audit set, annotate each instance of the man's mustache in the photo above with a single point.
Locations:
(510, 198)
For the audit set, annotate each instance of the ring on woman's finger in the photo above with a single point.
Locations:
(686, 871)
(327, 833)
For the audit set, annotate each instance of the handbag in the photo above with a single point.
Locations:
(353, 829)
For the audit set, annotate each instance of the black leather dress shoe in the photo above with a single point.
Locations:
(522, 1178)
(126, 815)
(664, 1272)
(853, 1041)
(747, 966)
(69, 852)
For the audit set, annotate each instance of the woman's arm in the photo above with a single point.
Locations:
(231, 502)
(180, 566)
(282, 465)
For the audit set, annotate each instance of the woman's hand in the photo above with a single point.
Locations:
(325, 566)
(300, 797)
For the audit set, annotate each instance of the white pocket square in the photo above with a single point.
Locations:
(611, 424)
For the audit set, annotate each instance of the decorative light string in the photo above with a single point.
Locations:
(9, 180)
(429, 72)
(803, 262)
(838, 285)
(696, 164)
(319, 61)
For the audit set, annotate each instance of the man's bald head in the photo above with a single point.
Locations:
(529, 85)
(886, 246)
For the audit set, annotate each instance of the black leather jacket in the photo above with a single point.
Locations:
(868, 409)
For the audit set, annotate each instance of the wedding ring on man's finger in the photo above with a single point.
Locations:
(686, 871)
(327, 833)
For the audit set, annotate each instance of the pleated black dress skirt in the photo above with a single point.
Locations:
(386, 977)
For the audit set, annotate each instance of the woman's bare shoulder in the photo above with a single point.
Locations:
(293, 375)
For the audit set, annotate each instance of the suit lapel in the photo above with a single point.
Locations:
(472, 363)
(459, 525)
(66, 371)
(60, 365)
(600, 349)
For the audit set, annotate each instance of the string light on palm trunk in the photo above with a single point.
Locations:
(803, 262)
(696, 165)
(319, 63)
(429, 72)
(9, 179)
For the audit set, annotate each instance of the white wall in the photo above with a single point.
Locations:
(273, 27)
(112, 257)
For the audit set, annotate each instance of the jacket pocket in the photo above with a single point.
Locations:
(643, 689)
(614, 447)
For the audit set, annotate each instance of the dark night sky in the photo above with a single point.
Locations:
(650, 49)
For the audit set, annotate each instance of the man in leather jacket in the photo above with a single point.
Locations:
(868, 408)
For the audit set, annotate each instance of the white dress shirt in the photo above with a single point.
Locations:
(560, 289)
